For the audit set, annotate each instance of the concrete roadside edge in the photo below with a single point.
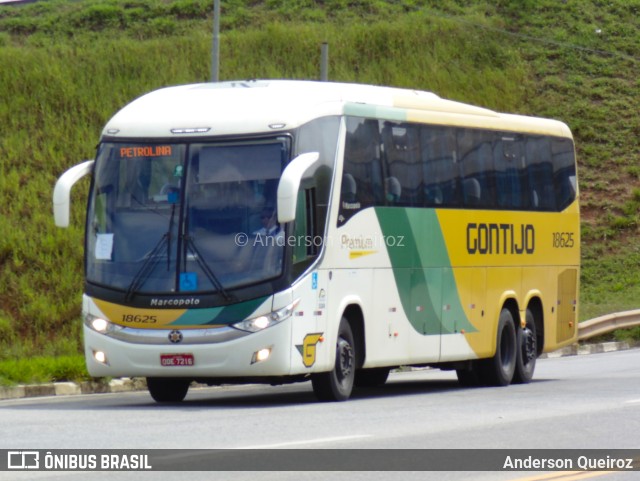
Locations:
(583, 349)
(72, 388)
(140, 384)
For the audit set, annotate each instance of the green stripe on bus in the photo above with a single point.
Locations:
(422, 270)
(219, 315)
(373, 111)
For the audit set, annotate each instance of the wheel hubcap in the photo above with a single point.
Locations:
(345, 359)
(528, 344)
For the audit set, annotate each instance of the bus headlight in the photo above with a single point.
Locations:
(259, 323)
(100, 325)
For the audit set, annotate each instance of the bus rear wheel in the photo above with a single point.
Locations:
(526, 350)
(337, 384)
(499, 370)
(167, 390)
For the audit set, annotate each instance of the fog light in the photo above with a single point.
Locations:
(261, 355)
(100, 356)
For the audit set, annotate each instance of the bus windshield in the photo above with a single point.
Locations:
(185, 218)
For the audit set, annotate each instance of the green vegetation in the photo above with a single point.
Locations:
(68, 66)
(42, 369)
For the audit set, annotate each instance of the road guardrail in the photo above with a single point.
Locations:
(608, 323)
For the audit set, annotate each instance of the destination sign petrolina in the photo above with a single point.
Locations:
(146, 151)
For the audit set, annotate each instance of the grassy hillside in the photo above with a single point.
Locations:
(67, 66)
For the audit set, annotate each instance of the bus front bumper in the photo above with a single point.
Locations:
(263, 353)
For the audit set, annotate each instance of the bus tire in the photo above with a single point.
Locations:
(371, 377)
(498, 370)
(527, 350)
(337, 384)
(167, 390)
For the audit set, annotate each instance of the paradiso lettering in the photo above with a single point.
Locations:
(500, 239)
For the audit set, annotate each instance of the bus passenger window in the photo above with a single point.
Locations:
(476, 157)
(564, 175)
(539, 172)
(349, 189)
(392, 190)
(471, 189)
(439, 168)
(403, 165)
(508, 162)
(362, 175)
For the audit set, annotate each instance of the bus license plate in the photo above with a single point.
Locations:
(176, 360)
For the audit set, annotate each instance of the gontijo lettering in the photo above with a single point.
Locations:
(500, 239)
(145, 151)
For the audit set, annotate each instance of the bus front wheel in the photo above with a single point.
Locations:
(337, 384)
(167, 390)
(499, 370)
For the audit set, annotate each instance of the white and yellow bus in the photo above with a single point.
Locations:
(283, 231)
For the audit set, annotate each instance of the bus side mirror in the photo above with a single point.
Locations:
(62, 191)
(290, 184)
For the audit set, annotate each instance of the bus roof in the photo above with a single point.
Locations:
(257, 106)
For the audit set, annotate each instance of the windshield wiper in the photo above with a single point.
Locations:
(168, 234)
(147, 267)
(207, 270)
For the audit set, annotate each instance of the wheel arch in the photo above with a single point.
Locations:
(511, 303)
(536, 307)
(508, 300)
(354, 315)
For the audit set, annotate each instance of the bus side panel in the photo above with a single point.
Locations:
(387, 331)
(425, 312)
(461, 340)
(502, 283)
(431, 296)
(347, 287)
(521, 254)
(566, 328)
(377, 263)
(309, 350)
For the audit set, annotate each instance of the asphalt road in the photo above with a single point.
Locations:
(579, 402)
